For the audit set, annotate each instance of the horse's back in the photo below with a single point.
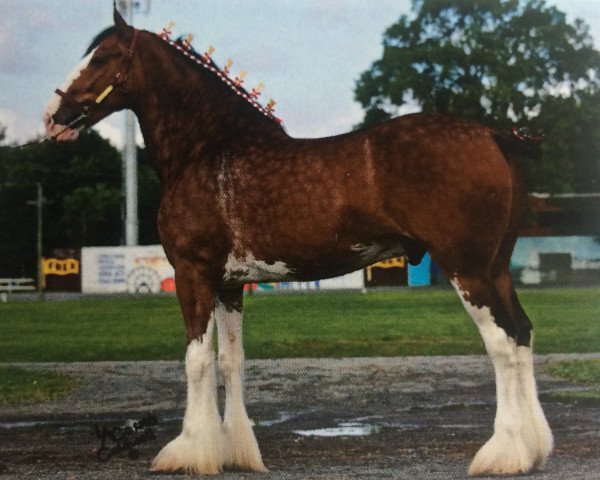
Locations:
(440, 181)
(447, 181)
(423, 152)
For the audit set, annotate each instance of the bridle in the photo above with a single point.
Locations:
(120, 79)
(84, 111)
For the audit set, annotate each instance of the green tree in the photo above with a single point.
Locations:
(149, 195)
(571, 150)
(82, 184)
(500, 63)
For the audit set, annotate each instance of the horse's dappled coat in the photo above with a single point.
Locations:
(244, 202)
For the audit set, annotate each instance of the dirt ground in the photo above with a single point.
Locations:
(364, 418)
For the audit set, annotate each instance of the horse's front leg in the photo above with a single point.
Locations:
(241, 448)
(199, 447)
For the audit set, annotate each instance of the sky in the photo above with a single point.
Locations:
(308, 53)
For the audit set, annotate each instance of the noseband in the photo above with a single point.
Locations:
(120, 79)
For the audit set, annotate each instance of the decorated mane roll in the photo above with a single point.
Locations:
(183, 45)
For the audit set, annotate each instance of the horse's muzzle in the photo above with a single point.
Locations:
(58, 130)
(63, 121)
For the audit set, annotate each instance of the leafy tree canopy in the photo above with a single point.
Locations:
(497, 62)
(82, 186)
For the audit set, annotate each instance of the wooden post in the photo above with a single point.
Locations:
(39, 204)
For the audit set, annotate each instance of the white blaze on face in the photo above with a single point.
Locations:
(52, 128)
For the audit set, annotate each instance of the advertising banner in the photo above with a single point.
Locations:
(146, 270)
(126, 270)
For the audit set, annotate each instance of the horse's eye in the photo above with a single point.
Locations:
(97, 60)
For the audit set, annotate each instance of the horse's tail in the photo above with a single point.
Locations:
(515, 145)
(518, 144)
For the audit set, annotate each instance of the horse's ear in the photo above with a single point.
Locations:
(124, 31)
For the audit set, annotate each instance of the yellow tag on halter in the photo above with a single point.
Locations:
(104, 94)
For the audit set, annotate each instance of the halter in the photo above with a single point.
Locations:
(120, 79)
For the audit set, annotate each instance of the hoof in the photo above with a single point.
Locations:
(189, 456)
(545, 445)
(502, 455)
(241, 447)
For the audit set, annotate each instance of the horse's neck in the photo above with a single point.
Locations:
(186, 113)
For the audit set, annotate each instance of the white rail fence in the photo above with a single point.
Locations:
(15, 285)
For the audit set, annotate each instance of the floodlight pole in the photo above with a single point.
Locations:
(130, 180)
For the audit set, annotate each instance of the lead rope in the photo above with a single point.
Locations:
(82, 116)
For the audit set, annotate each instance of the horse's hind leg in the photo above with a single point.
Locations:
(241, 448)
(530, 402)
(522, 439)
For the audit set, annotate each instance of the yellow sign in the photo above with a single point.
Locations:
(54, 266)
(398, 262)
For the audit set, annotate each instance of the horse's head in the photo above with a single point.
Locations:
(101, 84)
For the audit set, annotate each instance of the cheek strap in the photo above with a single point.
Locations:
(104, 94)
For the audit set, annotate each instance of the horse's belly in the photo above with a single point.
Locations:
(248, 269)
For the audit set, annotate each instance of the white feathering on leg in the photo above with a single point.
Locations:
(241, 448)
(522, 439)
(531, 405)
(199, 447)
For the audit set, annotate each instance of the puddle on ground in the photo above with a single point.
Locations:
(58, 425)
(446, 406)
(346, 429)
(12, 425)
(283, 417)
(66, 424)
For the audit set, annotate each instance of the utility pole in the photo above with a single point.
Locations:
(130, 180)
(39, 204)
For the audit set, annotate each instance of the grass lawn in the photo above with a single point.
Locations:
(18, 385)
(404, 322)
(579, 372)
(586, 372)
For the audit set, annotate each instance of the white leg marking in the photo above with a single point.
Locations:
(522, 439)
(241, 447)
(199, 447)
(532, 407)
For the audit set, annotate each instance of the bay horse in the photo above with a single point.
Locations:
(244, 202)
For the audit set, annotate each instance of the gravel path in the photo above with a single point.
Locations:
(372, 418)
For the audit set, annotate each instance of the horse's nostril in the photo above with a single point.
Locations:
(64, 116)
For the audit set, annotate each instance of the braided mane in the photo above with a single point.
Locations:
(205, 61)
(107, 32)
